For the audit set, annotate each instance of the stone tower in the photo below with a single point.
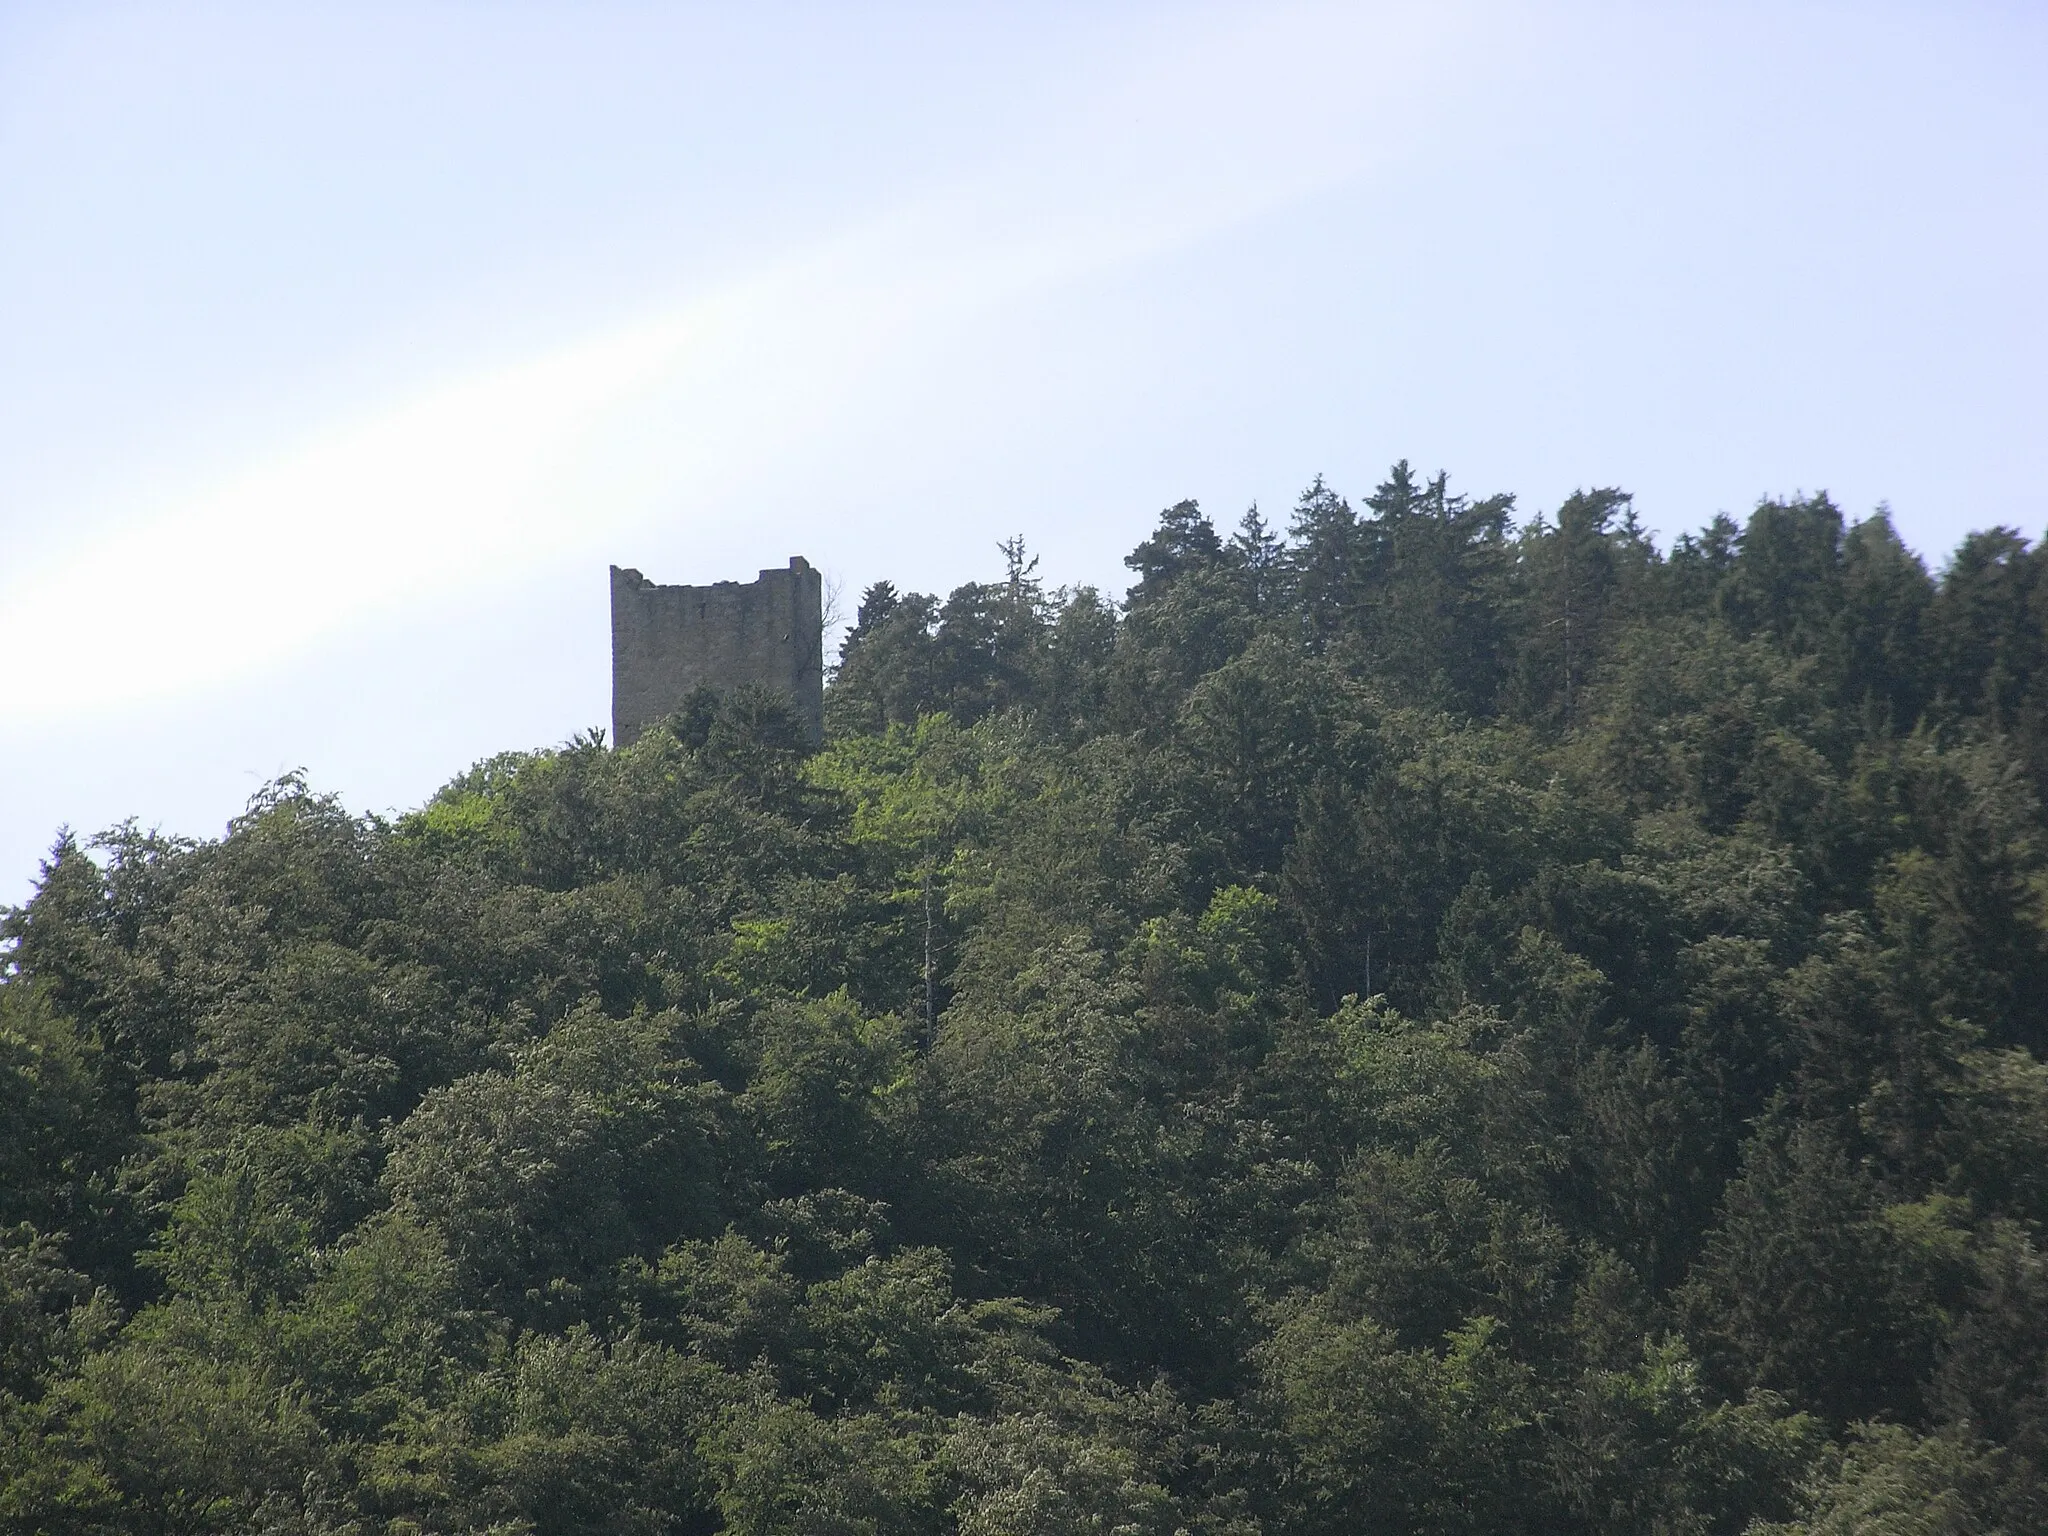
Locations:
(668, 641)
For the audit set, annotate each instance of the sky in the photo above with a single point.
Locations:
(343, 346)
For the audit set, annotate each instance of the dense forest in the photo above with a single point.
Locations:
(1420, 1020)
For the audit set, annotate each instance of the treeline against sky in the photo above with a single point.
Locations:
(1405, 1023)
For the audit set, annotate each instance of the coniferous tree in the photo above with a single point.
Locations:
(1330, 562)
(1886, 595)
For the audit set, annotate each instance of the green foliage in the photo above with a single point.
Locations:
(1417, 1025)
(64, 1127)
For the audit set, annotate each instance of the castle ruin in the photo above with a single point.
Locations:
(669, 641)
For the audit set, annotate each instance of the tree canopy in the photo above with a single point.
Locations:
(1420, 1022)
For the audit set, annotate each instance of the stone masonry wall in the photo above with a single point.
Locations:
(668, 641)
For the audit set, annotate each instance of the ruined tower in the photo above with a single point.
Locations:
(667, 641)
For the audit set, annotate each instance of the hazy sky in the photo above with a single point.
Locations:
(343, 346)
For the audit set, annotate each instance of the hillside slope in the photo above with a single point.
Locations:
(1409, 1026)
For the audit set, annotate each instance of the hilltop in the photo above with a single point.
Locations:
(1404, 1023)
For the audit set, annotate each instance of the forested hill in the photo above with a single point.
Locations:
(1412, 1023)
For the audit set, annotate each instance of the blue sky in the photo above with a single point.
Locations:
(342, 347)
